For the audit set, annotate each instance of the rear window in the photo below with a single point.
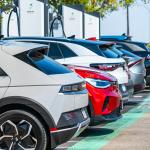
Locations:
(129, 54)
(42, 62)
(108, 52)
(134, 47)
(125, 52)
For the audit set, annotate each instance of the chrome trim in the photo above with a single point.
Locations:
(79, 126)
(74, 93)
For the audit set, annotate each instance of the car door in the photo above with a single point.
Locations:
(4, 82)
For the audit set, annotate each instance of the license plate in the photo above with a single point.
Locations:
(124, 89)
(84, 113)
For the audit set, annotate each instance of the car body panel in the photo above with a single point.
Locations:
(27, 81)
(73, 43)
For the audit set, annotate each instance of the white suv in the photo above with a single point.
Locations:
(42, 103)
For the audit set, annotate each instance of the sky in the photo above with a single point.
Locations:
(115, 23)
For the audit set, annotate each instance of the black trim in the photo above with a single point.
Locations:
(32, 104)
(58, 138)
(115, 115)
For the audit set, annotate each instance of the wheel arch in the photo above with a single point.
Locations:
(27, 104)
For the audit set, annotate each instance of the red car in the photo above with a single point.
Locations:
(104, 96)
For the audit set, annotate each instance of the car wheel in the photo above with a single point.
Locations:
(20, 130)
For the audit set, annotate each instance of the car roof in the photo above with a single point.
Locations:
(13, 47)
(72, 40)
(115, 37)
(122, 38)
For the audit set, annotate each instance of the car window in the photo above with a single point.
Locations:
(2, 73)
(134, 47)
(127, 53)
(54, 51)
(108, 52)
(117, 51)
(66, 51)
(42, 62)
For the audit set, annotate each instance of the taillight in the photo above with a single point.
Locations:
(106, 67)
(92, 39)
(134, 63)
(73, 87)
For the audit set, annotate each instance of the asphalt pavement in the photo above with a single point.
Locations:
(131, 132)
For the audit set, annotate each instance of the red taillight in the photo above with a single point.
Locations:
(108, 67)
(134, 63)
(92, 39)
(53, 129)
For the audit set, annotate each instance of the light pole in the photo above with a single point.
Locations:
(128, 21)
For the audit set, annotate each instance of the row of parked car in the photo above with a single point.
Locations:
(60, 86)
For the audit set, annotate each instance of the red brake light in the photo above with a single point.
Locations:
(92, 39)
(134, 63)
(108, 67)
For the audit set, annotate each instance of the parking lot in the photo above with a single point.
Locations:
(132, 131)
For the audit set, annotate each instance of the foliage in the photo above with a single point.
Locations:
(5, 5)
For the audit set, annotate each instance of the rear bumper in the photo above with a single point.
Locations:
(70, 125)
(103, 102)
(124, 92)
(138, 81)
(148, 80)
(115, 115)
(139, 87)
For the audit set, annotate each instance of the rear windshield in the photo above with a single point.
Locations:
(108, 51)
(134, 47)
(129, 54)
(42, 62)
(125, 52)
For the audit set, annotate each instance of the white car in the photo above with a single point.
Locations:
(42, 103)
(83, 53)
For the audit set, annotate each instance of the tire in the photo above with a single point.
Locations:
(21, 130)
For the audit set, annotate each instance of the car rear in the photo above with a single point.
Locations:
(71, 101)
(137, 71)
(104, 95)
(59, 91)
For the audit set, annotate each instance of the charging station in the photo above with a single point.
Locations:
(91, 25)
(73, 20)
(33, 19)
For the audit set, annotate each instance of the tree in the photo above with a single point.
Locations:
(5, 5)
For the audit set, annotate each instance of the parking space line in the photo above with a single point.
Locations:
(95, 140)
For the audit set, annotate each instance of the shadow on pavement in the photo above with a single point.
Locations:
(96, 132)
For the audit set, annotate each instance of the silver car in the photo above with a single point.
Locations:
(137, 71)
